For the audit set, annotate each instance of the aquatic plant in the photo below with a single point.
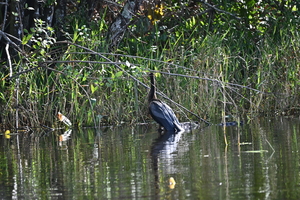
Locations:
(209, 70)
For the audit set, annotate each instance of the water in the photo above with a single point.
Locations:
(138, 163)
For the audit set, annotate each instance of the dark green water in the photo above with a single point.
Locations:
(136, 163)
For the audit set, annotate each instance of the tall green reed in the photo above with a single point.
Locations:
(220, 69)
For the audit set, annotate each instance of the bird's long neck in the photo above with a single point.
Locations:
(152, 92)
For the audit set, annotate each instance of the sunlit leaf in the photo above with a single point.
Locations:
(93, 89)
(118, 74)
(26, 38)
(7, 134)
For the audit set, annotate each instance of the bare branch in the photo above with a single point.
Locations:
(9, 41)
(218, 9)
(4, 15)
(214, 80)
(9, 60)
(132, 77)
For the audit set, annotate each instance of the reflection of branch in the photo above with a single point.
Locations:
(219, 10)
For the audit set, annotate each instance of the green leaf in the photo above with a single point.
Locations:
(26, 38)
(118, 74)
(93, 89)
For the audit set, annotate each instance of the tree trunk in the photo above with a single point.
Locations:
(118, 27)
(59, 18)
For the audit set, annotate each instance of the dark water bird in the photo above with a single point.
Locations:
(161, 112)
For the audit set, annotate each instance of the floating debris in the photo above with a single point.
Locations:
(64, 119)
(255, 151)
(7, 134)
(245, 143)
(172, 183)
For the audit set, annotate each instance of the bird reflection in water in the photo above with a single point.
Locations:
(163, 153)
(165, 146)
(63, 138)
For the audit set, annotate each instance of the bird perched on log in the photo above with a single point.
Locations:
(160, 111)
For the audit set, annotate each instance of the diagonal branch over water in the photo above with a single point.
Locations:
(117, 65)
(214, 80)
(132, 77)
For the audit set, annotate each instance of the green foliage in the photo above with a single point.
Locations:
(249, 44)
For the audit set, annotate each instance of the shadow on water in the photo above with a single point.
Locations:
(138, 163)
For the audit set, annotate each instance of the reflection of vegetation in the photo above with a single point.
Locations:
(248, 43)
(117, 164)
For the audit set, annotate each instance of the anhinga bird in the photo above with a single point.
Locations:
(161, 112)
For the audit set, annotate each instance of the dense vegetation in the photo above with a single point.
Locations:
(214, 58)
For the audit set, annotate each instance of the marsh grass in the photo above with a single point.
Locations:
(211, 76)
